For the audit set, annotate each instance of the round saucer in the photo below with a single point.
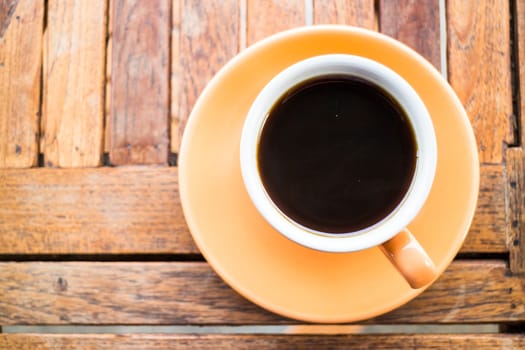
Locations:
(260, 263)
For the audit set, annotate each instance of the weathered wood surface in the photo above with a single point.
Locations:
(96, 210)
(137, 210)
(7, 9)
(359, 13)
(520, 66)
(516, 156)
(21, 26)
(267, 17)
(415, 23)
(176, 88)
(191, 293)
(209, 38)
(109, 55)
(479, 70)
(140, 62)
(489, 226)
(516, 199)
(75, 53)
(248, 342)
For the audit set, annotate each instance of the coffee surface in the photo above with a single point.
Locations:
(337, 154)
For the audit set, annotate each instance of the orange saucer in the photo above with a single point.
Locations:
(257, 261)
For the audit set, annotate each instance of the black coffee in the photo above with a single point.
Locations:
(337, 154)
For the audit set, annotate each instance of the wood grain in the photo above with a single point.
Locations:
(191, 293)
(415, 23)
(248, 342)
(469, 291)
(139, 82)
(176, 76)
(7, 9)
(74, 83)
(520, 41)
(20, 60)
(267, 17)
(128, 210)
(209, 38)
(92, 211)
(516, 199)
(359, 13)
(479, 70)
(489, 226)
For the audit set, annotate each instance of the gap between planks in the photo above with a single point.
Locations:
(325, 329)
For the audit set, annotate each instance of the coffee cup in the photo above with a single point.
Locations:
(338, 153)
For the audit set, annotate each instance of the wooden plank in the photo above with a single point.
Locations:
(520, 40)
(359, 13)
(489, 227)
(176, 75)
(516, 199)
(74, 83)
(415, 23)
(267, 17)
(191, 293)
(479, 70)
(261, 341)
(209, 38)
(516, 161)
(137, 210)
(21, 28)
(92, 211)
(139, 82)
(469, 291)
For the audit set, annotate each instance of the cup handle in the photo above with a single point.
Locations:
(410, 259)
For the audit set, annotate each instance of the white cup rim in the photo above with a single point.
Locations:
(415, 110)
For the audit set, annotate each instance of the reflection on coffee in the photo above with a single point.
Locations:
(337, 154)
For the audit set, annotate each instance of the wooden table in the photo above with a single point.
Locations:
(94, 96)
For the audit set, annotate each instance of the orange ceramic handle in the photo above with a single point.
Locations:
(410, 259)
